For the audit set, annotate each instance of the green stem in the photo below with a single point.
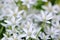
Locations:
(42, 25)
(1, 30)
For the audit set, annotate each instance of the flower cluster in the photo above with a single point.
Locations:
(23, 22)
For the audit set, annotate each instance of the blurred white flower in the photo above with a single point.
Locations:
(28, 2)
(13, 22)
(44, 0)
(51, 8)
(13, 17)
(1, 15)
(29, 30)
(5, 37)
(53, 32)
(56, 22)
(15, 12)
(43, 36)
(26, 23)
(13, 37)
(9, 4)
(44, 16)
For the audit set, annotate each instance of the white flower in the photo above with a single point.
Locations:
(13, 17)
(15, 12)
(13, 37)
(44, 16)
(5, 37)
(30, 31)
(1, 4)
(28, 2)
(56, 21)
(44, 37)
(25, 23)
(44, 0)
(1, 15)
(53, 32)
(9, 4)
(50, 8)
(13, 22)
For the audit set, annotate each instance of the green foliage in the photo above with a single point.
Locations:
(57, 2)
(39, 4)
(21, 7)
(52, 1)
(2, 30)
(31, 38)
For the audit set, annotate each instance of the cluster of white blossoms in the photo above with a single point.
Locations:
(30, 24)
